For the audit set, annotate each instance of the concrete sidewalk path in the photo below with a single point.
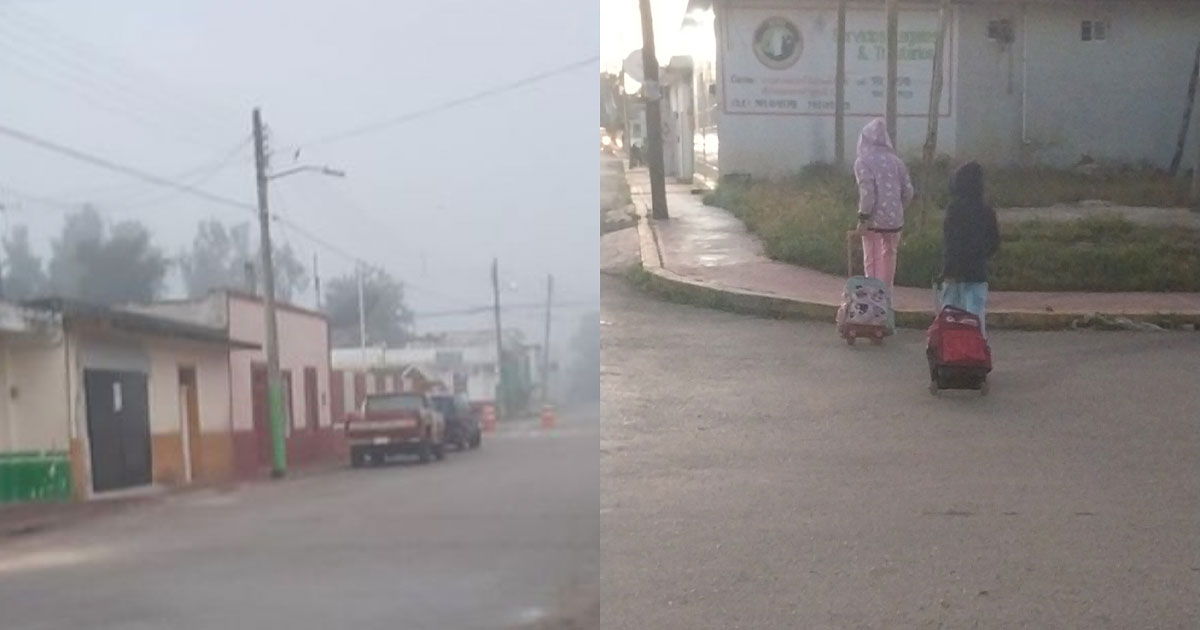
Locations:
(705, 254)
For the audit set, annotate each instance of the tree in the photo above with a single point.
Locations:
(218, 259)
(291, 276)
(388, 318)
(92, 263)
(24, 278)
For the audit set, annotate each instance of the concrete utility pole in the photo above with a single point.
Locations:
(653, 94)
(274, 382)
(546, 345)
(839, 111)
(893, 41)
(362, 313)
(278, 411)
(500, 391)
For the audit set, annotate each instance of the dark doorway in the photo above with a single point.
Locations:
(118, 421)
(311, 399)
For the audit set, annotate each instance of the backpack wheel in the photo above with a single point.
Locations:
(983, 388)
(933, 388)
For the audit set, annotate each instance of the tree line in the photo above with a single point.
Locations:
(95, 261)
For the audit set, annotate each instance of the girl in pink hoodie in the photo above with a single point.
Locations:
(884, 189)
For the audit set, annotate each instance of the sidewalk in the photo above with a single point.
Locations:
(706, 255)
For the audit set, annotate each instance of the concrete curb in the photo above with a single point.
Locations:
(656, 278)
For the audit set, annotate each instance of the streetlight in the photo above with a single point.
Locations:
(274, 380)
(324, 170)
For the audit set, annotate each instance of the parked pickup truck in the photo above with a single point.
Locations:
(395, 424)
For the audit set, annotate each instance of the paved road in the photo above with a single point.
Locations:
(499, 538)
(761, 474)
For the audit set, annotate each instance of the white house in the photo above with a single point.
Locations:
(464, 361)
(1025, 81)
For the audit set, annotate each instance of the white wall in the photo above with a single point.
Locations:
(33, 386)
(767, 141)
(990, 84)
(1120, 99)
(212, 385)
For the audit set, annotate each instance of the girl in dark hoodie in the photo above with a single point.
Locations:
(970, 237)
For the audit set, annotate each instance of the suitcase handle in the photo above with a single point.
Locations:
(850, 236)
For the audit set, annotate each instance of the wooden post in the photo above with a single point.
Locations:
(839, 112)
(1187, 115)
(935, 100)
(893, 43)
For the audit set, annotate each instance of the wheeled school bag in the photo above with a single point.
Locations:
(958, 353)
(866, 310)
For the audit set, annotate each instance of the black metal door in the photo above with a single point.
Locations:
(118, 428)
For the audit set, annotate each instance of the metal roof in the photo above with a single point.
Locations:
(128, 321)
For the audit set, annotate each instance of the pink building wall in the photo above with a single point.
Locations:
(303, 343)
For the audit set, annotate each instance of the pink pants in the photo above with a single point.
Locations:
(879, 255)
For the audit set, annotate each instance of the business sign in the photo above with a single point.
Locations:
(783, 61)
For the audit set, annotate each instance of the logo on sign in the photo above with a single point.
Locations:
(778, 43)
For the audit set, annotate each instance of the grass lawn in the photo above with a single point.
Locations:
(803, 220)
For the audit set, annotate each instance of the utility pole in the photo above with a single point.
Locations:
(893, 40)
(839, 112)
(546, 345)
(653, 98)
(1196, 174)
(274, 382)
(500, 391)
(362, 314)
(317, 280)
(929, 152)
(627, 136)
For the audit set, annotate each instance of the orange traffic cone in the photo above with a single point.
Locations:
(547, 417)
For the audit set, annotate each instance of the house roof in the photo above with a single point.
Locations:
(128, 321)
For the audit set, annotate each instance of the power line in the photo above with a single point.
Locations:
(124, 76)
(203, 194)
(458, 102)
(194, 176)
(479, 310)
(125, 170)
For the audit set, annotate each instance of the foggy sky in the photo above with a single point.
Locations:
(513, 175)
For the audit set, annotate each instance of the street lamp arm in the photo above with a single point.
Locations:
(324, 170)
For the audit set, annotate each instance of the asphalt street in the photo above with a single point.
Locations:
(762, 474)
(505, 537)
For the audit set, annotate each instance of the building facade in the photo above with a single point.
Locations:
(304, 350)
(463, 362)
(126, 400)
(1047, 82)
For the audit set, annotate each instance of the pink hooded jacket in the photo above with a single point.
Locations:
(884, 187)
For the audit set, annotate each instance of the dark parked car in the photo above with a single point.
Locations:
(462, 423)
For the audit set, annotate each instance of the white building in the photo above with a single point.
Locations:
(1025, 81)
(463, 361)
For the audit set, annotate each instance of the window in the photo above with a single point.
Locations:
(1094, 31)
(1000, 30)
